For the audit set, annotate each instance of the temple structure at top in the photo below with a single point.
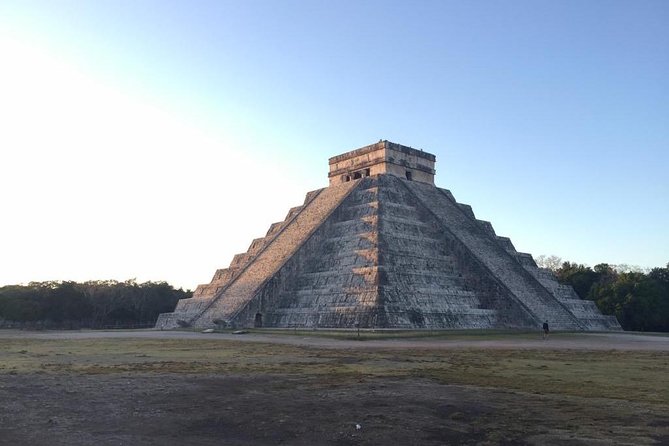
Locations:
(384, 157)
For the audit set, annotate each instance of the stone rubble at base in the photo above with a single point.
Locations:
(383, 247)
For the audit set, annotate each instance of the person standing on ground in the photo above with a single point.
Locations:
(545, 327)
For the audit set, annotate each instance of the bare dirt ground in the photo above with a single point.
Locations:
(187, 388)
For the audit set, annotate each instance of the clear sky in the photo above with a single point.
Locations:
(155, 139)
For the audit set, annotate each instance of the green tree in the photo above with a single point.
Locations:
(91, 304)
(639, 301)
(580, 277)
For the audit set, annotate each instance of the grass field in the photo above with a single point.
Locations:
(455, 396)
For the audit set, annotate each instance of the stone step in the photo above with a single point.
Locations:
(525, 259)
(274, 228)
(168, 321)
(392, 219)
(321, 301)
(329, 278)
(475, 320)
(410, 244)
(398, 210)
(451, 293)
(467, 209)
(422, 277)
(361, 241)
(353, 227)
(292, 212)
(330, 291)
(505, 242)
(256, 245)
(437, 306)
(487, 227)
(192, 305)
(337, 261)
(403, 262)
(362, 196)
(356, 212)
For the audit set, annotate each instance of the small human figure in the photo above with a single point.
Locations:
(545, 327)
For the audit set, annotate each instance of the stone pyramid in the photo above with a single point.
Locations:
(383, 247)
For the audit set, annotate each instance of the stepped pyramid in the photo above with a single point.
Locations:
(383, 247)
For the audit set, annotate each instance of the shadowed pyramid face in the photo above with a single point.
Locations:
(383, 247)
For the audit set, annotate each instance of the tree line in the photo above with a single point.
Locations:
(638, 298)
(92, 304)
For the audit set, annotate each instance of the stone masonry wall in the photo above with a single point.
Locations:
(429, 278)
(526, 290)
(585, 311)
(187, 310)
(240, 291)
(331, 280)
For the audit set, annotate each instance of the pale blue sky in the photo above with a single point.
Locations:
(550, 118)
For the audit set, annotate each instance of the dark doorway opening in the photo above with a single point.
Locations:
(357, 175)
(258, 321)
(408, 174)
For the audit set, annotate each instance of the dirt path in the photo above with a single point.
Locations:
(558, 341)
